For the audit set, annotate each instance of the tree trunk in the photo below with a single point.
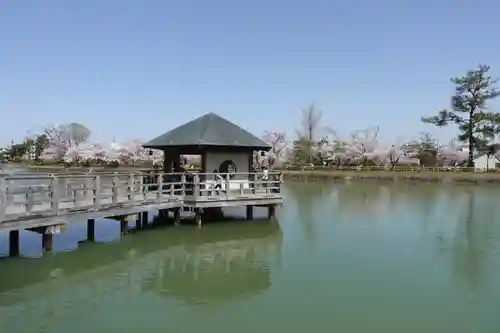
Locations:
(470, 162)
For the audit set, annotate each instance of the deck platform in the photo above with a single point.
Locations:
(32, 200)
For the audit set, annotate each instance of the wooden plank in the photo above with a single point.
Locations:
(85, 215)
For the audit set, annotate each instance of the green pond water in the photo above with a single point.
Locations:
(359, 257)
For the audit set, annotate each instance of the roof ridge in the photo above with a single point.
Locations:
(206, 124)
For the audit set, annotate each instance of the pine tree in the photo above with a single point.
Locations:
(469, 110)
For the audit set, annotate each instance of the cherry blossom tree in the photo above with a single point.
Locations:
(276, 155)
(452, 154)
(398, 154)
(58, 138)
(87, 152)
(125, 153)
(67, 135)
(361, 145)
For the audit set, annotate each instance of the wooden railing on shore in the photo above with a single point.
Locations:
(24, 196)
(397, 168)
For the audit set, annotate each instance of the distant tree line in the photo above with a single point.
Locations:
(313, 143)
(470, 110)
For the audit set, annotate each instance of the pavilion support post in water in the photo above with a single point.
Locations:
(271, 212)
(163, 213)
(177, 216)
(14, 243)
(249, 212)
(90, 230)
(123, 226)
(139, 224)
(144, 218)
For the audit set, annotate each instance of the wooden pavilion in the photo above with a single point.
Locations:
(222, 145)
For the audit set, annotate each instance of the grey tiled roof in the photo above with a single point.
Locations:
(208, 130)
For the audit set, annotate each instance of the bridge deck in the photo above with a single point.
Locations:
(32, 200)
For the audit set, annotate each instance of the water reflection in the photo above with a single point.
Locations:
(219, 262)
(402, 257)
(307, 199)
(471, 242)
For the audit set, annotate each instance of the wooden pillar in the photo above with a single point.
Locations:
(249, 212)
(204, 162)
(167, 161)
(123, 226)
(177, 216)
(250, 162)
(144, 218)
(197, 216)
(271, 213)
(90, 230)
(139, 224)
(251, 174)
(47, 241)
(14, 243)
(177, 162)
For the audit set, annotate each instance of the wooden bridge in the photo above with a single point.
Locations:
(30, 201)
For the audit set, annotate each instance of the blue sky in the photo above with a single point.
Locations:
(135, 69)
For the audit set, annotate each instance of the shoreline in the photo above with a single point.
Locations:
(463, 177)
(44, 168)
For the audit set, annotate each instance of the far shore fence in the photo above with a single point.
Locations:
(294, 169)
(397, 168)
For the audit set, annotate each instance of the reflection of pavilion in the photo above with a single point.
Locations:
(220, 262)
(216, 271)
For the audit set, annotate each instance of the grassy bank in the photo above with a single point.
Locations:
(78, 167)
(429, 176)
(58, 168)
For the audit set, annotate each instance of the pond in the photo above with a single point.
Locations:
(360, 257)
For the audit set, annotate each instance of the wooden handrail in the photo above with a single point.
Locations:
(49, 195)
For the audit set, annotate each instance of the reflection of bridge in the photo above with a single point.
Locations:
(222, 262)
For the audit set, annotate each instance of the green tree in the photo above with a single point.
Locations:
(469, 111)
(18, 150)
(41, 142)
(300, 154)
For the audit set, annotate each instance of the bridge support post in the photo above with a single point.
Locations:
(177, 216)
(249, 212)
(123, 227)
(144, 218)
(14, 243)
(197, 216)
(90, 230)
(271, 212)
(47, 241)
(163, 213)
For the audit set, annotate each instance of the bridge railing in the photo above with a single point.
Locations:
(234, 184)
(47, 195)
(32, 195)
